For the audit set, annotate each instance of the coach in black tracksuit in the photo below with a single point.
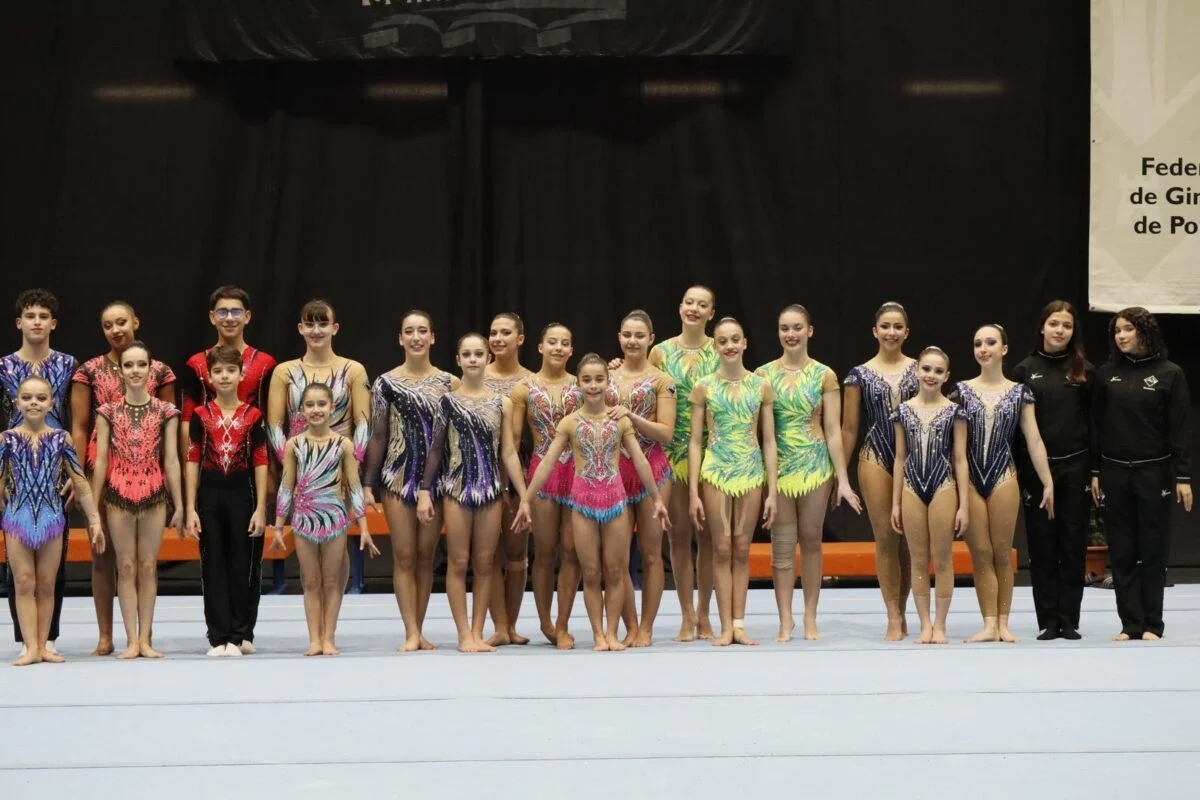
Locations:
(1062, 381)
(1140, 428)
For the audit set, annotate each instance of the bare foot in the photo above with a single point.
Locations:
(27, 657)
(600, 643)
(329, 649)
(1150, 637)
(517, 638)
(616, 645)
(704, 629)
(103, 648)
(133, 651)
(687, 631)
(629, 639)
(725, 639)
(903, 626)
(895, 630)
(986, 635)
(499, 639)
(411, 645)
(811, 631)
(741, 637)
(643, 638)
(1121, 637)
(939, 635)
(1008, 636)
(564, 641)
(550, 633)
(926, 635)
(426, 644)
(51, 656)
(785, 631)
(148, 652)
(314, 649)
(483, 647)
(467, 643)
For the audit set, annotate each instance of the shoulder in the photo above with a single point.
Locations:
(251, 414)
(767, 370)
(161, 369)
(283, 369)
(168, 410)
(260, 359)
(662, 381)
(355, 369)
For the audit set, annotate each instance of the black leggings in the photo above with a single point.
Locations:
(230, 562)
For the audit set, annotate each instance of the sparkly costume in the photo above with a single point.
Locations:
(197, 388)
(57, 368)
(684, 366)
(597, 491)
(315, 496)
(504, 386)
(33, 470)
(804, 460)
(403, 412)
(134, 480)
(466, 442)
(992, 421)
(733, 459)
(102, 376)
(347, 383)
(929, 439)
(640, 393)
(547, 405)
(881, 394)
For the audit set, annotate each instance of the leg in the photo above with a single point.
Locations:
(358, 578)
(1003, 506)
(916, 532)
(705, 584)
(23, 568)
(428, 536)
(458, 557)
(1043, 535)
(682, 569)
(810, 516)
(150, 525)
(104, 585)
(215, 541)
(333, 587)
(983, 565)
(717, 512)
(614, 551)
(508, 579)
(309, 556)
(47, 561)
(568, 580)
(890, 547)
(485, 538)
(122, 534)
(942, 509)
(244, 556)
(547, 524)
(1072, 506)
(402, 530)
(1155, 487)
(745, 522)
(1120, 515)
(10, 591)
(783, 564)
(60, 590)
(650, 536)
(586, 533)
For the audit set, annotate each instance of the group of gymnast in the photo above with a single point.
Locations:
(677, 436)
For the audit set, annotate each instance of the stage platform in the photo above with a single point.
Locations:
(848, 716)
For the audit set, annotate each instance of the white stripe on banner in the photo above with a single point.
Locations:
(1144, 247)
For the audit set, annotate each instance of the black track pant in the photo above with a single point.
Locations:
(60, 588)
(230, 562)
(1058, 547)
(1137, 518)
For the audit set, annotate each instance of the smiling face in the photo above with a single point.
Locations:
(891, 331)
(504, 337)
(933, 370)
(1057, 331)
(225, 377)
(119, 326)
(794, 331)
(556, 346)
(730, 341)
(35, 398)
(135, 366)
(316, 405)
(635, 338)
(35, 324)
(472, 355)
(1127, 338)
(989, 346)
(593, 380)
(697, 306)
(416, 335)
(318, 333)
(229, 317)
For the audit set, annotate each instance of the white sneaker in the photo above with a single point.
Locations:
(231, 649)
(51, 649)
(216, 651)
(248, 648)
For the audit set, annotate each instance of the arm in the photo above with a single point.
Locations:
(851, 414)
(662, 428)
(262, 477)
(360, 411)
(277, 413)
(81, 416)
(1179, 412)
(696, 455)
(562, 439)
(287, 485)
(519, 398)
(195, 447)
(962, 475)
(831, 412)
(166, 387)
(1099, 399)
(630, 444)
(508, 449)
(83, 495)
(172, 471)
(898, 476)
(378, 441)
(358, 508)
(770, 449)
(100, 468)
(189, 389)
(1037, 454)
(433, 463)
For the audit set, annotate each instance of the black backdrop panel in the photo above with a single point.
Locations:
(934, 153)
(222, 30)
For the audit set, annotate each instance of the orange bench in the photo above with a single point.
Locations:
(851, 560)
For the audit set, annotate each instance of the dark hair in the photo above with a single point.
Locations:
(317, 310)
(122, 304)
(223, 354)
(37, 297)
(799, 309)
(589, 359)
(712, 296)
(933, 348)
(518, 323)
(319, 387)
(135, 344)
(546, 329)
(640, 316)
(416, 312)
(729, 321)
(997, 326)
(890, 307)
(1076, 357)
(229, 292)
(1149, 333)
(469, 335)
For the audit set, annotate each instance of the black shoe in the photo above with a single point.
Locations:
(1051, 632)
(1067, 632)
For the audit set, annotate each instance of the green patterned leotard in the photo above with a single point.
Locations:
(685, 366)
(804, 461)
(733, 459)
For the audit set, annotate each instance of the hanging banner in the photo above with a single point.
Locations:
(1144, 247)
(314, 30)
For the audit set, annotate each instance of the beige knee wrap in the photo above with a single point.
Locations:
(783, 546)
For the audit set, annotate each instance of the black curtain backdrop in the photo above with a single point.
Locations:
(934, 153)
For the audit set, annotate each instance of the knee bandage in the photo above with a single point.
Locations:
(783, 546)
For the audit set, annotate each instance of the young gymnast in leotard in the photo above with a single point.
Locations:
(472, 438)
(929, 492)
(505, 337)
(34, 460)
(995, 407)
(731, 406)
(542, 400)
(873, 391)
(645, 396)
(597, 500)
(137, 471)
(808, 409)
(404, 405)
(320, 479)
(96, 382)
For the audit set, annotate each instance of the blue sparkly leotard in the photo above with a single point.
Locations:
(929, 440)
(33, 471)
(466, 442)
(403, 411)
(881, 394)
(992, 422)
(58, 369)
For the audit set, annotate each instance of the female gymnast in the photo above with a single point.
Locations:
(995, 407)
(96, 382)
(544, 400)
(731, 405)
(598, 500)
(505, 337)
(645, 396)
(472, 438)
(808, 410)
(1140, 451)
(404, 405)
(1062, 382)
(34, 460)
(320, 478)
(929, 494)
(137, 471)
(873, 391)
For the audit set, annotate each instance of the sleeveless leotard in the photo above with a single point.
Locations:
(881, 393)
(929, 439)
(685, 367)
(733, 458)
(804, 460)
(992, 421)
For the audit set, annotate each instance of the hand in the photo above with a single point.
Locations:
(696, 510)
(369, 499)
(960, 523)
(1048, 500)
(67, 492)
(1097, 495)
(277, 542)
(258, 522)
(1183, 494)
(193, 526)
(617, 413)
(523, 517)
(844, 492)
(660, 513)
(768, 514)
(897, 519)
(96, 531)
(365, 542)
(176, 522)
(425, 509)
(616, 363)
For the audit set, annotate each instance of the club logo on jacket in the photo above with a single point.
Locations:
(1149, 383)
(1166, 492)
(1035, 376)
(1114, 379)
